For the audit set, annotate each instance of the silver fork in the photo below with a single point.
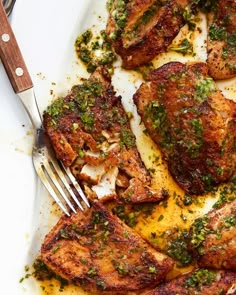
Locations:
(58, 180)
(8, 5)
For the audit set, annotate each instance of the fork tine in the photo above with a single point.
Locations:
(52, 175)
(76, 185)
(49, 187)
(66, 183)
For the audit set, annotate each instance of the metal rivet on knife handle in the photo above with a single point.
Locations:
(19, 72)
(5, 37)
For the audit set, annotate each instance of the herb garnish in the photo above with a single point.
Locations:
(94, 51)
(202, 277)
(204, 88)
(185, 47)
(178, 249)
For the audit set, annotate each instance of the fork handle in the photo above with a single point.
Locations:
(11, 56)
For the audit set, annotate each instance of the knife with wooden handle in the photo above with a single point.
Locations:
(11, 56)
(16, 69)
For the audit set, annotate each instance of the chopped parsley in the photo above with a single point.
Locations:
(109, 4)
(204, 88)
(202, 277)
(178, 249)
(188, 200)
(227, 194)
(92, 272)
(158, 113)
(188, 15)
(160, 218)
(94, 51)
(88, 119)
(229, 221)
(185, 47)
(217, 33)
(152, 269)
(120, 267)
(127, 138)
(56, 108)
(200, 232)
(119, 13)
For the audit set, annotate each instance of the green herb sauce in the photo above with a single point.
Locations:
(204, 88)
(200, 232)
(185, 47)
(178, 249)
(202, 277)
(94, 51)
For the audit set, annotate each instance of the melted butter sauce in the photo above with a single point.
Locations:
(52, 287)
(173, 214)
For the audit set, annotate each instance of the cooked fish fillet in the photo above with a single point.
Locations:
(193, 124)
(100, 253)
(199, 282)
(90, 132)
(222, 40)
(141, 29)
(214, 238)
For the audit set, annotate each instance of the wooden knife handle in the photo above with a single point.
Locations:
(11, 56)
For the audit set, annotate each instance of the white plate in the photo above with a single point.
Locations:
(46, 31)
